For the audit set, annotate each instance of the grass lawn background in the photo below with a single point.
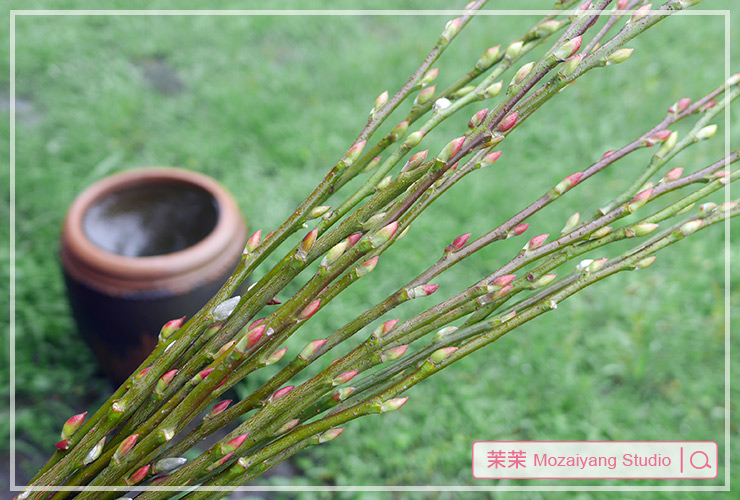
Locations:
(266, 104)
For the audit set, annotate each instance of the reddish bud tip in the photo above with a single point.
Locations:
(608, 154)
(345, 377)
(310, 309)
(508, 122)
(72, 424)
(367, 267)
(393, 354)
(504, 280)
(307, 243)
(139, 475)
(354, 152)
(125, 446)
(273, 302)
(276, 356)
(281, 392)
(385, 328)
(353, 238)
(143, 372)
(536, 242)
(490, 158)
(254, 241)
(680, 105)
(568, 182)
(673, 174)
(384, 234)
(661, 135)
(232, 445)
(519, 229)
(170, 327)
(256, 323)
(415, 160)
(478, 118)
(311, 348)
(421, 291)
(708, 105)
(219, 408)
(62, 445)
(393, 404)
(164, 381)
(458, 243)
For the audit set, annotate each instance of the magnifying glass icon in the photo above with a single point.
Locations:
(701, 465)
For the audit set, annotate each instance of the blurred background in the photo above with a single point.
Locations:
(266, 105)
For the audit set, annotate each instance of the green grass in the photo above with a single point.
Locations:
(265, 105)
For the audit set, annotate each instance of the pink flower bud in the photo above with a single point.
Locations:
(441, 354)
(232, 445)
(536, 242)
(393, 354)
(519, 229)
(256, 322)
(415, 160)
(200, 376)
(342, 394)
(385, 328)
(430, 76)
(425, 95)
(330, 435)
(421, 291)
(354, 152)
(641, 13)
(219, 407)
(138, 476)
(164, 381)
(367, 267)
(250, 339)
(281, 392)
(276, 356)
(381, 101)
(384, 234)
(708, 105)
(478, 118)
(310, 309)
(504, 280)
(124, 447)
(307, 244)
(345, 377)
(393, 404)
(353, 238)
(568, 182)
(508, 122)
(639, 200)
(254, 241)
(311, 348)
(673, 174)
(680, 105)
(490, 158)
(458, 243)
(451, 149)
(451, 28)
(72, 424)
(170, 327)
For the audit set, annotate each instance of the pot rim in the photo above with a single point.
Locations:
(227, 237)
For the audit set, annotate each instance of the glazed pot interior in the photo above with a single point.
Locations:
(155, 218)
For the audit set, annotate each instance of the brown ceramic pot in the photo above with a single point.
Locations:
(143, 247)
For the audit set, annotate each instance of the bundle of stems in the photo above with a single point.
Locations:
(136, 440)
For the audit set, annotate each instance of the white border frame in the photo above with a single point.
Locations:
(13, 487)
